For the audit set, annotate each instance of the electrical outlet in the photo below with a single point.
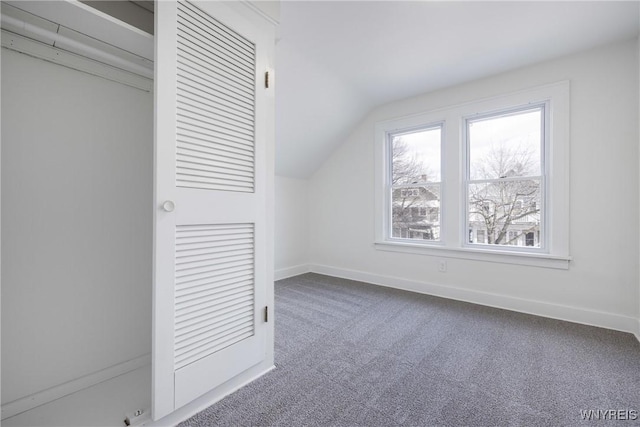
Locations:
(442, 266)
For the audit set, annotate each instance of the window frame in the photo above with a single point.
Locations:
(390, 186)
(453, 197)
(543, 177)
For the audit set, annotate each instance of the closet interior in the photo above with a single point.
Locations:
(78, 211)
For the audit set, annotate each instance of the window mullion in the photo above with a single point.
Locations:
(452, 167)
(517, 121)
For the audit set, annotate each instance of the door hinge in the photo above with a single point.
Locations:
(266, 314)
(266, 80)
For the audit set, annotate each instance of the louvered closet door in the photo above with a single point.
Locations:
(209, 284)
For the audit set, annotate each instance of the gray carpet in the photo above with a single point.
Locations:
(353, 354)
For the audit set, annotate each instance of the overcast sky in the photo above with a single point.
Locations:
(522, 128)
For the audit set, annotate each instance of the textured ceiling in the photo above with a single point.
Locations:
(338, 60)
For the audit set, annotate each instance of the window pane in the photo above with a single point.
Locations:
(505, 146)
(507, 213)
(416, 156)
(416, 213)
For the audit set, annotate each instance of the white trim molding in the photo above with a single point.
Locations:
(43, 397)
(504, 257)
(296, 270)
(539, 308)
(453, 242)
(266, 12)
(212, 397)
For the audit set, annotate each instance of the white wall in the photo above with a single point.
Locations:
(292, 227)
(270, 8)
(601, 285)
(76, 224)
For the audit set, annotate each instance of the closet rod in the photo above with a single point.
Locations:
(88, 51)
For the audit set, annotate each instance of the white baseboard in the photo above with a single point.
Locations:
(212, 397)
(538, 308)
(285, 273)
(24, 404)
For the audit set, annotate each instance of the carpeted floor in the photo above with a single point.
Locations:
(349, 353)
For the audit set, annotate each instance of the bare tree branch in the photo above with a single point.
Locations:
(498, 205)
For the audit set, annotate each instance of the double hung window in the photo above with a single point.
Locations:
(505, 179)
(485, 180)
(414, 183)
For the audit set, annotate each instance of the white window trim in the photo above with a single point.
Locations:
(544, 181)
(452, 238)
(388, 170)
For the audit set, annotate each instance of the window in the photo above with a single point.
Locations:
(414, 183)
(530, 239)
(505, 168)
(473, 181)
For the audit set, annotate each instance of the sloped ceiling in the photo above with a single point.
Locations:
(336, 61)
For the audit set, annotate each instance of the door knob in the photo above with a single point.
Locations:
(168, 206)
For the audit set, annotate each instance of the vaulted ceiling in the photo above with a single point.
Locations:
(336, 61)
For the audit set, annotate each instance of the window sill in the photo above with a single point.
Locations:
(497, 256)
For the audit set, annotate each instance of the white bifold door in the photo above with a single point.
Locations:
(210, 199)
